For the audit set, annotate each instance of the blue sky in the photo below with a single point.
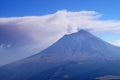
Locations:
(10, 8)
(19, 8)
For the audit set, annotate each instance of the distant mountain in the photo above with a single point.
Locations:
(78, 56)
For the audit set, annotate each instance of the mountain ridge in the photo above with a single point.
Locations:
(78, 52)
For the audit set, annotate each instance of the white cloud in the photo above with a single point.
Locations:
(49, 28)
(1, 46)
(117, 43)
(5, 45)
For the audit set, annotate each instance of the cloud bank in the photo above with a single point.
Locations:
(53, 26)
(47, 29)
(117, 43)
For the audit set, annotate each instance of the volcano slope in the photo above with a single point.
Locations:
(78, 56)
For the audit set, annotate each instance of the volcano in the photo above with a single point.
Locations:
(78, 56)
